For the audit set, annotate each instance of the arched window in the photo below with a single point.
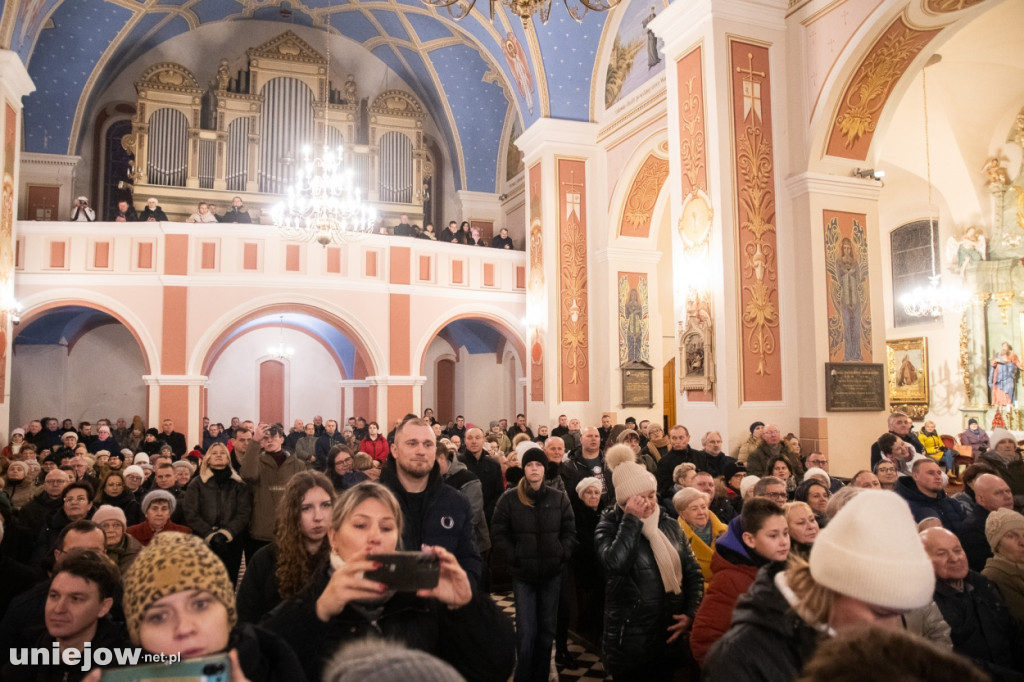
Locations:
(912, 263)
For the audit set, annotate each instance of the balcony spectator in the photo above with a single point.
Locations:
(448, 233)
(124, 213)
(153, 213)
(203, 214)
(502, 240)
(81, 212)
(403, 228)
(428, 232)
(237, 214)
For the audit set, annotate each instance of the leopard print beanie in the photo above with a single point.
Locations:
(172, 563)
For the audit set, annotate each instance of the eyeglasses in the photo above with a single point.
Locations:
(776, 496)
(883, 470)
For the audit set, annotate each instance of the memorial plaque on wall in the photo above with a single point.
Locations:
(637, 390)
(854, 387)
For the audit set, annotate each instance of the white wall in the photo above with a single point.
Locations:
(484, 389)
(312, 378)
(102, 377)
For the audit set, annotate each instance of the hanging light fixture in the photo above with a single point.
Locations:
(937, 297)
(324, 204)
(280, 351)
(524, 9)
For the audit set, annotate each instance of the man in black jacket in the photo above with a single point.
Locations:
(486, 469)
(534, 528)
(586, 461)
(433, 513)
(679, 452)
(324, 443)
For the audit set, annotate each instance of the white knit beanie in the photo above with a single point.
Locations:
(871, 551)
(134, 469)
(158, 495)
(818, 471)
(997, 435)
(747, 483)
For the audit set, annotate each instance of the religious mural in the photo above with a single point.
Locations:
(634, 318)
(519, 67)
(574, 308)
(635, 53)
(536, 293)
(755, 197)
(848, 288)
(639, 207)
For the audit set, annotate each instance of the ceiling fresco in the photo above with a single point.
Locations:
(471, 74)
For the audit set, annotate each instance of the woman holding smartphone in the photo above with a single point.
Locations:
(450, 621)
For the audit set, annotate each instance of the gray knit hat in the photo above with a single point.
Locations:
(157, 495)
(386, 661)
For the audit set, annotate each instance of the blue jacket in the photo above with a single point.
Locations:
(942, 507)
(446, 519)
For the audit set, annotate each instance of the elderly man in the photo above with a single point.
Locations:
(173, 438)
(991, 493)
(716, 460)
(1007, 462)
(819, 460)
(554, 450)
(486, 469)
(982, 627)
(124, 213)
(679, 451)
(586, 461)
(772, 445)
(718, 504)
(925, 493)
(900, 426)
(1005, 532)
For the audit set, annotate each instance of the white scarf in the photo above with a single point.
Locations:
(665, 554)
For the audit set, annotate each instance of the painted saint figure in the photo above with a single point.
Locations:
(906, 375)
(1002, 377)
(848, 270)
(653, 58)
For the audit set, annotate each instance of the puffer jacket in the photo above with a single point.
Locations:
(638, 611)
(733, 568)
(534, 530)
(922, 506)
(21, 492)
(767, 642)
(217, 504)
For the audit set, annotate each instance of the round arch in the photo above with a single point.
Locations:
(37, 305)
(499, 318)
(211, 343)
(654, 145)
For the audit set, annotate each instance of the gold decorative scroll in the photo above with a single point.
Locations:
(755, 197)
(871, 85)
(536, 293)
(692, 148)
(947, 6)
(574, 337)
(636, 218)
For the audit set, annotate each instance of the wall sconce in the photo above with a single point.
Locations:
(869, 174)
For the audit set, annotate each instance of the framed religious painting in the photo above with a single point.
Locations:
(907, 366)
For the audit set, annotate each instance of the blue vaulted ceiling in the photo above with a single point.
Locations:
(460, 70)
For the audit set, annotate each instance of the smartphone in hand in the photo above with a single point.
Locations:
(406, 571)
(215, 668)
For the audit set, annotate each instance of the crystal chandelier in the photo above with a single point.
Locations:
(280, 351)
(324, 205)
(936, 298)
(524, 9)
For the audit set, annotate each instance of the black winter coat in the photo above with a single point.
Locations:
(489, 473)
(127, 503)
(213, 505)
(637, 610)
(767, 642)
(574, 470)
(539, 540)
(477, 639)
(981, 626)
(446, 519)
(942, 507)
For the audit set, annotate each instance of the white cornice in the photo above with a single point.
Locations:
(624, 253)
(558, 137)
(396, 380)
(37, 159)
(14, 76)
(833, 185)
(174, 380)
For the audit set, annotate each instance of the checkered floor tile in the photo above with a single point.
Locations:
(588, 662)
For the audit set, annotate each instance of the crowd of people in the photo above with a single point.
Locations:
(674, 562)
(206, 212)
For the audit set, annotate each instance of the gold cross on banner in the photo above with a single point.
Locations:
(751, 88)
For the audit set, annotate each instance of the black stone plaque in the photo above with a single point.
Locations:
(854, 387)
(637, 390)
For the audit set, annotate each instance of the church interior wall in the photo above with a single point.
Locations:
(100, 376)
(313, 377)
(481, 391)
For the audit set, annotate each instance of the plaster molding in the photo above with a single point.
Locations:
(617, 254)
(391, 380)
(833, 185)
(60, 160)
(479, 205)
(555, 136)
(175, 379)
(14, 76)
